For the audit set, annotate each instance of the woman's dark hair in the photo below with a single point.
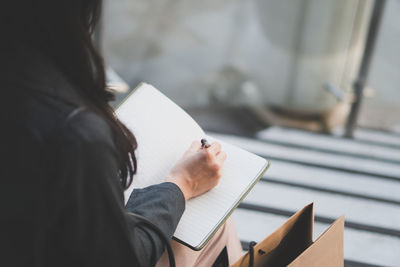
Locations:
(62, 30)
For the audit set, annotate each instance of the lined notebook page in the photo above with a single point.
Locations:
(164, 132)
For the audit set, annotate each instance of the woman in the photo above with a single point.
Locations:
(67, 158)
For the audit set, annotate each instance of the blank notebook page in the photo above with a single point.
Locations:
(164, 132)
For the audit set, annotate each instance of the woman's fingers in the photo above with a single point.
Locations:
(214, 149)
(213, 152)
(221, 157)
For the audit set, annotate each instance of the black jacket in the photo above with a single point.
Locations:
(61, 203)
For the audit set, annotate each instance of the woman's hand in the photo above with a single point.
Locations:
(199, 170)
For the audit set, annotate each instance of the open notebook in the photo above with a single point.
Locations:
(164, 132)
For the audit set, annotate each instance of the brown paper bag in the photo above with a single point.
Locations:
(291, 244)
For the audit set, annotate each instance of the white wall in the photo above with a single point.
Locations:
(238, 51)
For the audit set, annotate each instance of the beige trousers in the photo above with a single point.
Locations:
(186, 257)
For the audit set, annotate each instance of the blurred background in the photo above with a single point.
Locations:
(311, 85)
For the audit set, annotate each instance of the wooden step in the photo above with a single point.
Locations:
(373, 137)
(334, 180)
(350, 164)
(328, 143)
(358, 211)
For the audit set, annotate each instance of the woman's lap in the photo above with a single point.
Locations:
(225, 237)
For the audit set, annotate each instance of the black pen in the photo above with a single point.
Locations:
(204, 143)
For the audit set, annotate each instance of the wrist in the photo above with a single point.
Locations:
(183, 186)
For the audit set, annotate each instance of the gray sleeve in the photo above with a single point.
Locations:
(163, 205)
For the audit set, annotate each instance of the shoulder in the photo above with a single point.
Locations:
(83, 148)
(84, 127)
